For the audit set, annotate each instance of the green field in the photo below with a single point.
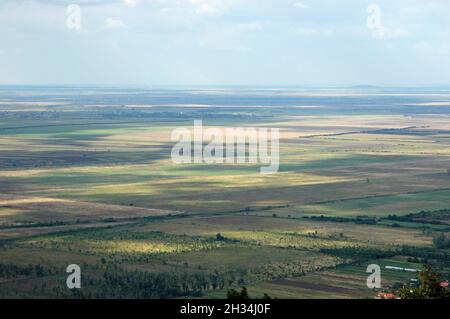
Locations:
(89, 183)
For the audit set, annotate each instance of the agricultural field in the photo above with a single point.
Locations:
(87, 178)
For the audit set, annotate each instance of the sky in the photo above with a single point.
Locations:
(225, 42)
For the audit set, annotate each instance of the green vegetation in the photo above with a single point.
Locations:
(91, 182)
(441, 241)
(233, 294)
(242, 294)
(429, 287)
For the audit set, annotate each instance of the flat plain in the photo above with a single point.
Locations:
(86, 178)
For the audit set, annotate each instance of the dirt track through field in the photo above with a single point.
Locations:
(311, 286)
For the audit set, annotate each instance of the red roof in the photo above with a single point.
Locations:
(386, 295)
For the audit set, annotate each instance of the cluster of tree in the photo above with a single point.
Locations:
(242, 294)
(441, 241)
(32, 224)
(359, 253)
(234, 294)
(365, 253)
(429, 217)
(357, 220)
(14, 271)
(114, 282)
(425, 253)
(429, 287)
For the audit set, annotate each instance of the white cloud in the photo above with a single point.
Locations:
(111, 23)
(438, 48)
(411, 12)
(131, 3)
(314, 31)
(251, 26)
(300, 5)
(423, 46)
(387, 33)
(204, 6)
(220, 46)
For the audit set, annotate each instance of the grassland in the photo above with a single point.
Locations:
(88, 179)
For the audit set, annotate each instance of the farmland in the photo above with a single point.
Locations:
(86, 178)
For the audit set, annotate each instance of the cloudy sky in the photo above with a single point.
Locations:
(225, 42)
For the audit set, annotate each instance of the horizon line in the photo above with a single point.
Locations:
(223, 86)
